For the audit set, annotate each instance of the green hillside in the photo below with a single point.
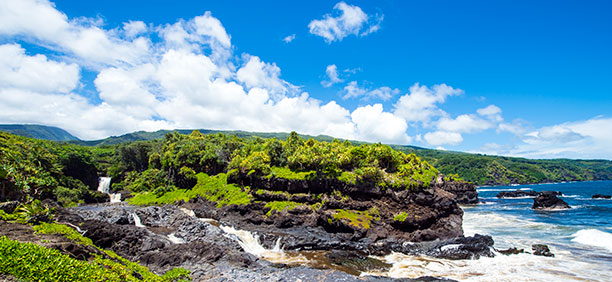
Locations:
(476, 168)
(38, 132)
(498, 170)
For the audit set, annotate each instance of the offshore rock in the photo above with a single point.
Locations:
(600, 196)
(548, 200)
(541, 250)
(465, 193)
(517, 194)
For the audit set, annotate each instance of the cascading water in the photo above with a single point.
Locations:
(104, 187)
(250, 244)
(137, 220)
(104, 184)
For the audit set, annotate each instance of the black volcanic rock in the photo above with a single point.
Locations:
(511, 251)
(541, 250)
(517, 194)
(600, 196)
(465, 193)
(549, 200)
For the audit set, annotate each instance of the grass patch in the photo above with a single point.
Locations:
(286, 173)
(281, 206)
(119, 265)
(360, 219)
(56, 228)
(32, 262)
(401, 217)
(213, 188)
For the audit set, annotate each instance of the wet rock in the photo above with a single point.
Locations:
(541, 250)
(96, 197)
(600, 196)
(511, 251)
(549, 200)
(517, 194)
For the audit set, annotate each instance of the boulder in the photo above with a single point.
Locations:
(548, 200)
(600, 196)
(511, 251)
(541, 250)
(517, 194)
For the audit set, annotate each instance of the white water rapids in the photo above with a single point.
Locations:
(104, 187)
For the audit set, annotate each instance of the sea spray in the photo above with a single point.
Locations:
(594, 237)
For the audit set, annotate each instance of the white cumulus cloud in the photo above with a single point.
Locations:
(350, 21)
(332, 75)
(438, 138)
(376, 125)
(353, 90)
(421, 104)
(289, 38)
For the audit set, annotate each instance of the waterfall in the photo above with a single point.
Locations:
(175, 240)
(104, 187)
(137, 220)
(250, 243)
(104, 184)
(115, 197)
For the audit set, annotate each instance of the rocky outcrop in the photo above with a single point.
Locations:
(517, 194)
(465, 193)
(208, 252)
(525, 193)
(541, 250)
(351, 212)
(600, 196)
(548, 200)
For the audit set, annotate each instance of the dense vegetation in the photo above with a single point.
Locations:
(36, 169)
(495, 170)
(475, 168)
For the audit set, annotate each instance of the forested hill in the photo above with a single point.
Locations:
(476, 168)
(38, 132)
(145, 135)
(497, 170)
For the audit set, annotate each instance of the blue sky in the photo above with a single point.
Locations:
(519, 78)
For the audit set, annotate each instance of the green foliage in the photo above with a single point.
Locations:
(495, 170)
(34, 212)
(360, 219)
(280, 206)
(213, 188)
(56, 228)
(401, 217)
(35, 263)
(149, 180)
(177, 275)
(286, 173)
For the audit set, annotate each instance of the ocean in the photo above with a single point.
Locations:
(580, 238)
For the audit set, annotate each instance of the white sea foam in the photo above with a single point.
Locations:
(493, 189)
(521, 267)
(594, 237)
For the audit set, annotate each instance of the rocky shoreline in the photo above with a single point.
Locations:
(172, 238)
